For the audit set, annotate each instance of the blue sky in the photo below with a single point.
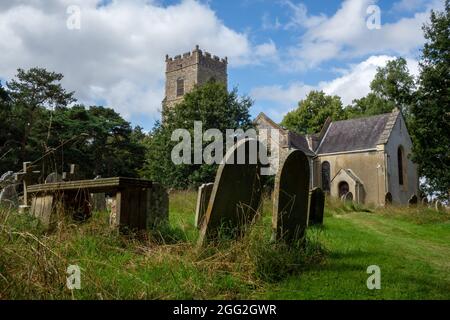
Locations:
(278, 50)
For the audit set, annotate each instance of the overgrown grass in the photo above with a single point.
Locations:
(411, 246)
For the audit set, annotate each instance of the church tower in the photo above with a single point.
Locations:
(184, 72)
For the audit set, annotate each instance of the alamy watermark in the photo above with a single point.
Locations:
(73, 21)
(73, 280)
(374, 280)
(215, 153)
(373, 21)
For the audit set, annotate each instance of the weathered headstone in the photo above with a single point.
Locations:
(424, 201)
(388, 199)
(8, 196)
(439, 206)
(157, 206)
(203, 196)
(236, 195)
(53, 177)
(290, 201)
(316, 206)
(412, 201)
(6, 178)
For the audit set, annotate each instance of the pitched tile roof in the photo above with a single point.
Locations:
(357, 134)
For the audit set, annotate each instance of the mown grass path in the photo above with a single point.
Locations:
(414, 260)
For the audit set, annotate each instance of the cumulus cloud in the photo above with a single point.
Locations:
(353, 83)
(345, 34)
(117, 56)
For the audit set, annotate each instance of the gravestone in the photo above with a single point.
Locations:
(439, 206)
(158, 206)
(388, 199)
(424, 201)
(412, 201)
(9, 197)
(203, 196)
(316, 206)
(98, 200)
(348, 197)
(290, 201)
(6, 178)
(236, 194)
(53, 177)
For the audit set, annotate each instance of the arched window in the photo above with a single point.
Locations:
(180, 87)
(326, 176)
(343, 188)
(400, 165)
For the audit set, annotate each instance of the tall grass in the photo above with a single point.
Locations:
(164, 263)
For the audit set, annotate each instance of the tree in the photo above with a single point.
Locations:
(32, 93)
(312, 112)
(216, 108)
(369, 105)
(101, 141)
(394, 84)
(431, 112)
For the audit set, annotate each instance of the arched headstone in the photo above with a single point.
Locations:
(348, 197)
(388, 199)
(236, 194)
(413, 200)
(424, 201)
(438, 206)
(290, 201)
(53, 177)
(316, 206)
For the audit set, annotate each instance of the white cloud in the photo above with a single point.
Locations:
(353, 83)
(345, 35)
(117, 56)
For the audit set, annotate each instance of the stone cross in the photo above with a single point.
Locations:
(27, 176)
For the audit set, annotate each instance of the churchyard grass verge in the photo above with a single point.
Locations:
(410, 245)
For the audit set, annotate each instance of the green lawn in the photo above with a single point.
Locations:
(411, 247)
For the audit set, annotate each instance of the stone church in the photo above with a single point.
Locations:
(367, 158)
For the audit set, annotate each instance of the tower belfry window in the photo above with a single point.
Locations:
(180, 87)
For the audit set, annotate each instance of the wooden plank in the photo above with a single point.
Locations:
(93, 186)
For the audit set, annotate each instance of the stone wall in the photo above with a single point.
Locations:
(195, 68)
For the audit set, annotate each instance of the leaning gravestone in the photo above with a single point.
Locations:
(412, 201)
(290, 201)
(388, 199)
(204, 194)
(236, 194)
(158, 206)
(316, 206)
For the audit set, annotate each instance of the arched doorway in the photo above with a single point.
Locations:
(326, 176)
(343, 188)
